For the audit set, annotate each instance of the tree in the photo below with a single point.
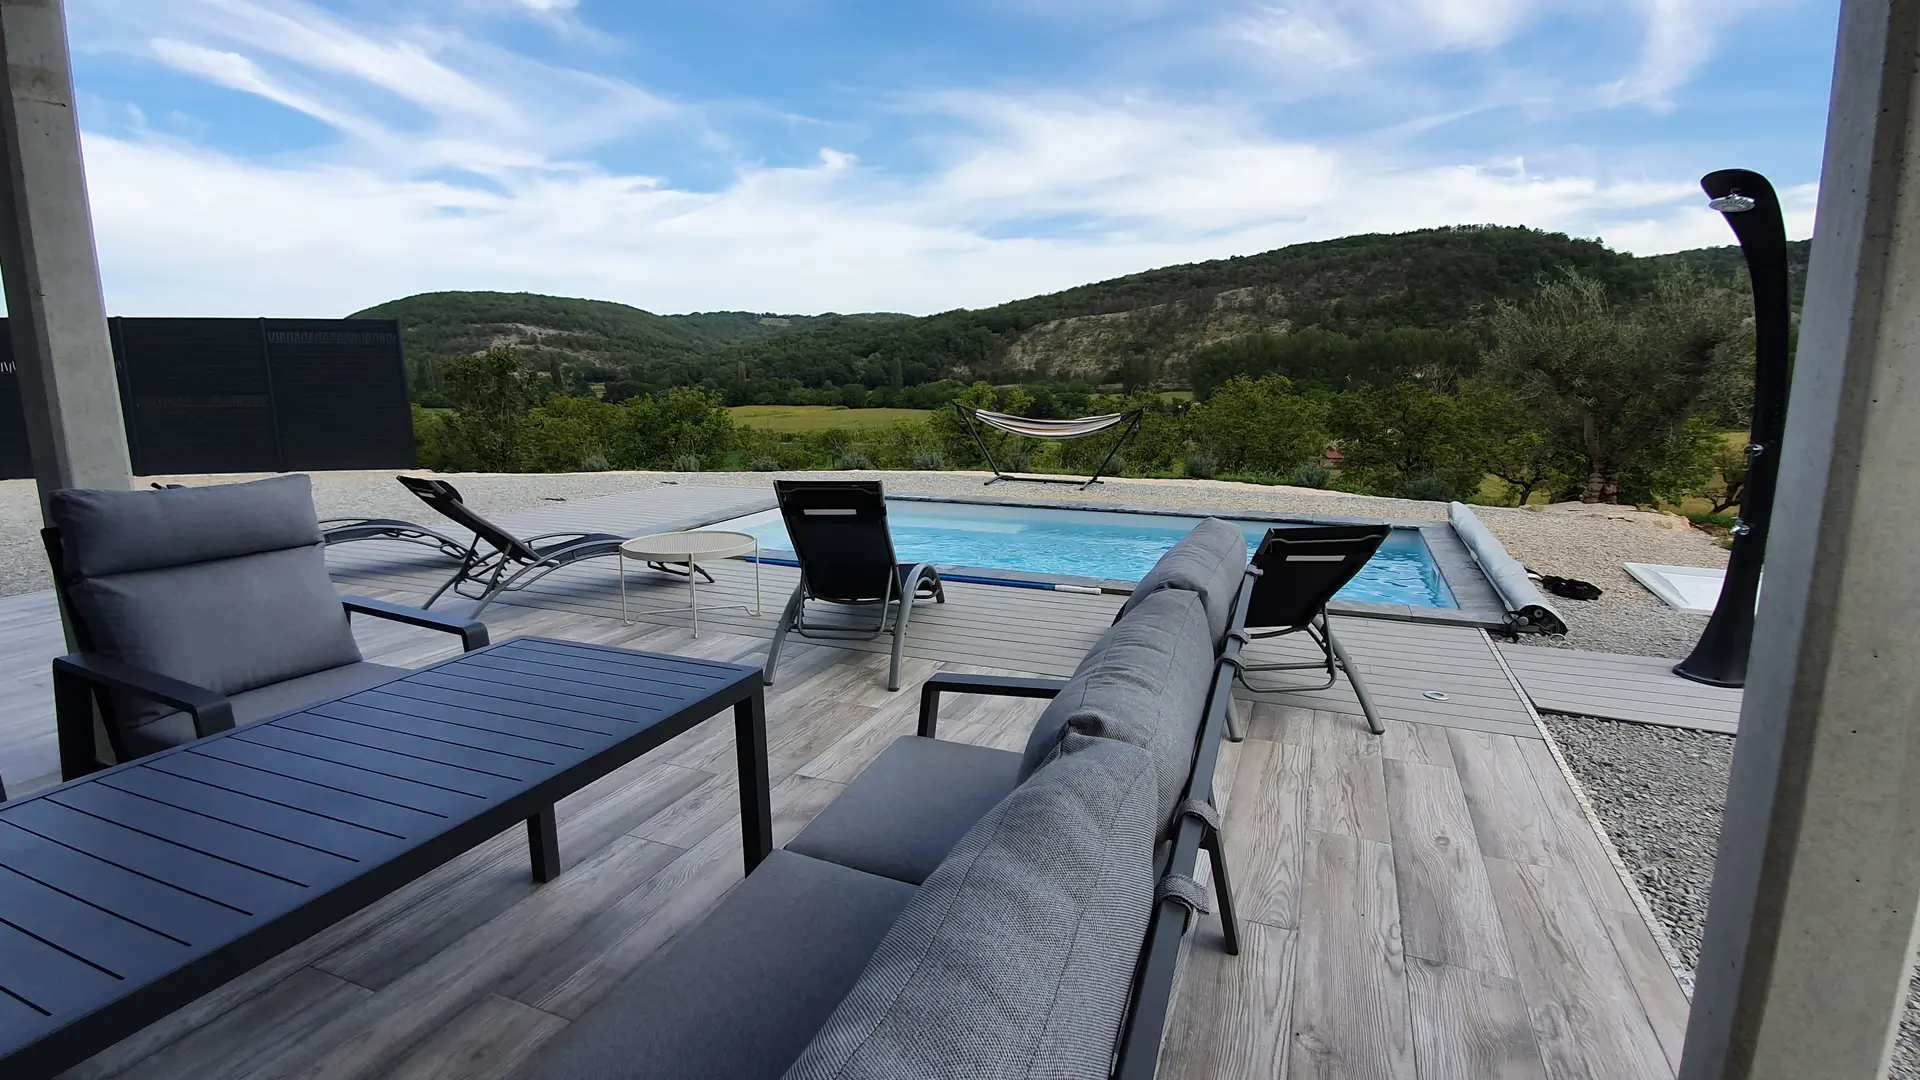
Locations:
(1673, 468)
(1511, 444)
(1403, 435)
(493, 396)
(1260, 426)
(675, 423)
(1612, 381)
(1731, 463)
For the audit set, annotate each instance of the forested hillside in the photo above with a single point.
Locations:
(1360, 310)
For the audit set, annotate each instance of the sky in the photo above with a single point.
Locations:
(307, 158)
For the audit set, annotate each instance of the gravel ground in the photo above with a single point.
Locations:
(1626, 619)
(1659, 792)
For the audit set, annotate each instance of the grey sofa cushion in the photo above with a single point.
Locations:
(250, 706)
(1211, 561)
(115, 532)
(1145, 684)
(904, 812)
(223, 587)
(738, 996)
(1017, 956)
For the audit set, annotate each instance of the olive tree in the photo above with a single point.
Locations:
(1614, 381)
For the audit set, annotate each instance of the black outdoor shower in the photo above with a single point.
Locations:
(1753, 210)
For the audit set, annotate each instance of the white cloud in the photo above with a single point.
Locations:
(1026, 191)
(1680, 39)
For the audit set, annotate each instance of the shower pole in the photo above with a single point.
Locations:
(1750, 206)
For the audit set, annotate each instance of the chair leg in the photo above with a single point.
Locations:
(1223, 890)
(1236, 727)
(73, 726)
(789, 618)
(1353, 677)
(899, 639)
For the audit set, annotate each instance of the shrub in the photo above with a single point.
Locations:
(687, 463)
(595, 463)
(764, 463)
(1312, 475)
(1016, 461)
(853, 460)
(1201, 466)
(929, 461)
(1429, 488)
(1116, 467)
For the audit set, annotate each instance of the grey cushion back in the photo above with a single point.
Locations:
(1210, 561)
(1145, 683)
(1017, 956)
(224, 587)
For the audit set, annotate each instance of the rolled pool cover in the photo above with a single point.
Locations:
(1528, 611)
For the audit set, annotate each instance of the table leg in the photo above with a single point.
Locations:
(623, 592)
(543, 843)
(756, 801)
(693, 595)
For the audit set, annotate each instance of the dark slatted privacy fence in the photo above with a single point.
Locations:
(245, 395)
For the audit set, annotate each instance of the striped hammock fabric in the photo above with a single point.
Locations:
(1050, 429)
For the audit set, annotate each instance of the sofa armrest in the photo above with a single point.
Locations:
(473, 633)
(212, 713)
(946, 682)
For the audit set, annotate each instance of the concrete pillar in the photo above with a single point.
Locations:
(69, 393)
(1811, 929)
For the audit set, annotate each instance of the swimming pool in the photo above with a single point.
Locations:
(1100, 544)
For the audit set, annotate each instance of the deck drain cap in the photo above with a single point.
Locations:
(1436, 695)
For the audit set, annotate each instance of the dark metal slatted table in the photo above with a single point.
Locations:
(128, 893)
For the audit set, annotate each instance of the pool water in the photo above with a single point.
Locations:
(1100, 544)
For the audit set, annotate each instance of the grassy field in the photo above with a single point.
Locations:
(820, 417)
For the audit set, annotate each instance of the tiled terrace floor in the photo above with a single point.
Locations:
(1432, 904)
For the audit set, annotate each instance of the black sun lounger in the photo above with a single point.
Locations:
(1300, 570)
(840, 537)
(499, 562)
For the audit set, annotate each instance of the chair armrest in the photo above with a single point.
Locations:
(947, 682)
(473, 633)
(212, 712)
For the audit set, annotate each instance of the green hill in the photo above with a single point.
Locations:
(1727, 262)
(601, 338)
(1397, 295)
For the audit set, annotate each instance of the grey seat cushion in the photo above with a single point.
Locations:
(738, 996)
(1210, 561)
(1017, 956)
(906, 810)
(1145, 684)
(250, 706)
(224, 587)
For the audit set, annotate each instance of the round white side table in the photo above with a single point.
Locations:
(688, 548)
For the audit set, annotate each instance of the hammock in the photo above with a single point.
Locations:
(1127, 422)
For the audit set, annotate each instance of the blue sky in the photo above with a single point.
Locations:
(297, 157)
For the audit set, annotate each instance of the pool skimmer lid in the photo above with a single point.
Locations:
(1436, 695)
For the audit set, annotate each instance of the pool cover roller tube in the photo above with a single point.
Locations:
(1527, 608)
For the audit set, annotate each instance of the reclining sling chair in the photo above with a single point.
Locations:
(1300, 570)
(840, 537)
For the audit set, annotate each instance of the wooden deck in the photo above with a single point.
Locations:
(1432, 904)
(1641, 689)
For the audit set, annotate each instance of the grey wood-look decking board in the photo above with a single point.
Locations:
(1642, 689)
(468, 970)
(128, 891)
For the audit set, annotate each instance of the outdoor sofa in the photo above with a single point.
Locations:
(963, 911)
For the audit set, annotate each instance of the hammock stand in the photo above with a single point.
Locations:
(1128, 423)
